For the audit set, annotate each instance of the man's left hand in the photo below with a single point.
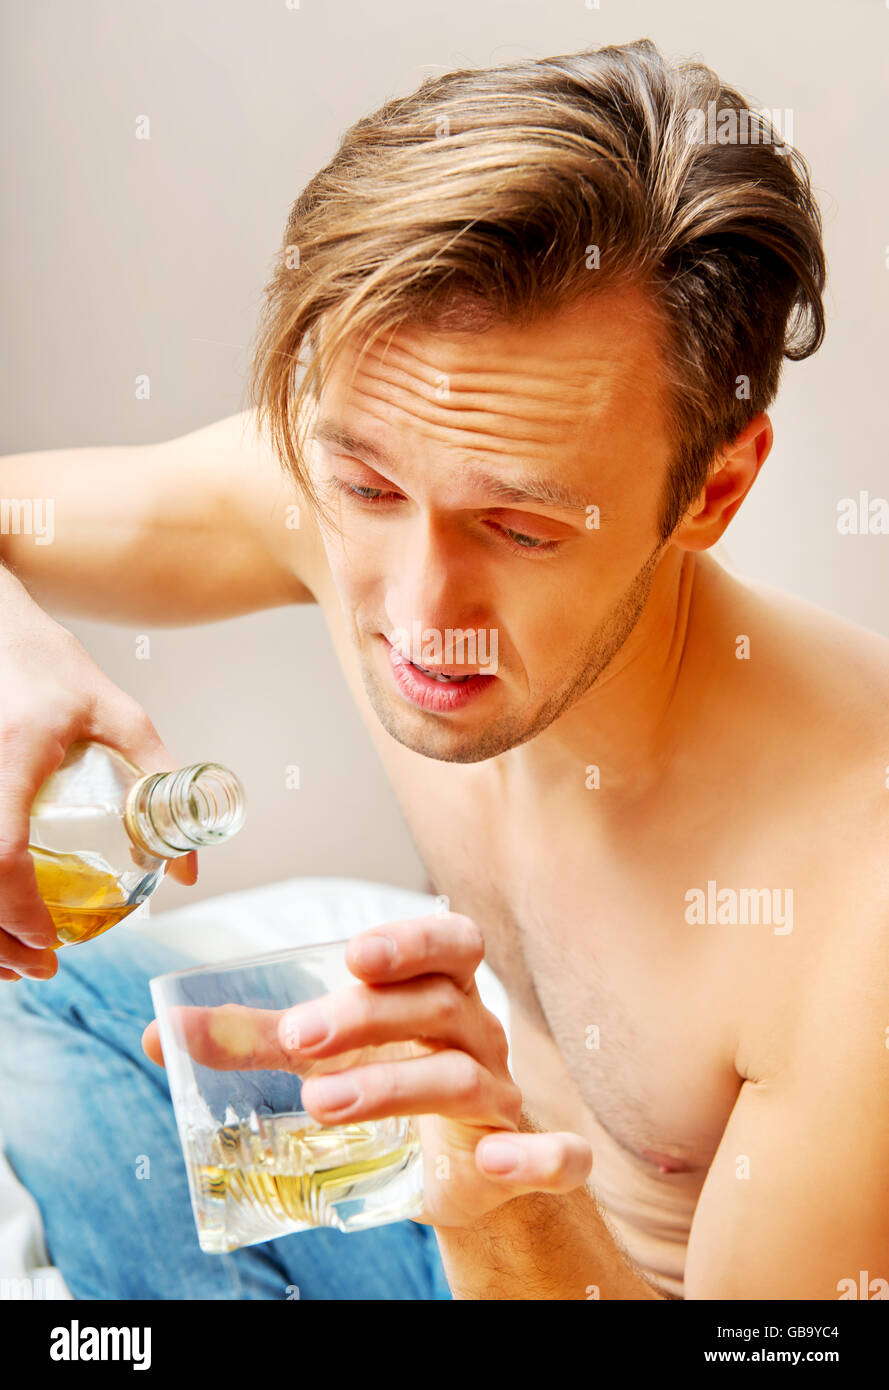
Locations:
(417, 987)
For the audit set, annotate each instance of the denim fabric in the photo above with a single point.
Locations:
(82, 1107)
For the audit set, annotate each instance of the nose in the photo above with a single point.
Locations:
(432, 580)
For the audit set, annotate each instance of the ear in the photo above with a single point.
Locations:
(731, 477)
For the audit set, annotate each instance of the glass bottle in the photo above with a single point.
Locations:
(102, 829)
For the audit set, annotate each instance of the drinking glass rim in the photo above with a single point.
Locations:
(243, 962)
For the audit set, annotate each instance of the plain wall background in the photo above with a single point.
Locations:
(124, 256)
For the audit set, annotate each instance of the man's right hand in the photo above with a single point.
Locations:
(190, 530)
(51, 694)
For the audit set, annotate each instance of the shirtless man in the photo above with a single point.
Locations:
(665, 812)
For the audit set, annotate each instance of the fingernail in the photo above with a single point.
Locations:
(500, 1156)
(374, 953)
(334, 1092)
(305, 1026)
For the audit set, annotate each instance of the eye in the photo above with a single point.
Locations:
(528, 542)
(376, 496)
(363, 494)
(518, 540)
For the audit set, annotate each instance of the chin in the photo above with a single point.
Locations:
(437, 737)
(448, 749)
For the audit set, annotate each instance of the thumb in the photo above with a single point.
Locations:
(534, 1162)
(151, 1043)
(184, 869)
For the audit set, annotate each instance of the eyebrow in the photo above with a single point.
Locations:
(545, 491)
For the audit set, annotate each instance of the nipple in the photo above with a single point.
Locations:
(665, 1162)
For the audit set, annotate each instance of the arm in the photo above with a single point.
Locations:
(795, 1199)
(187, 531)
(540, 1246)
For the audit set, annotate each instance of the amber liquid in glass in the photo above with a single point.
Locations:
(289, 1174)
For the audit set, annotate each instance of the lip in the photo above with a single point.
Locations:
(425, 692)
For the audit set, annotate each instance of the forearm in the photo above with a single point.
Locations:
(540, 1246)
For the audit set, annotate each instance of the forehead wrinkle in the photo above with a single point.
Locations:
(489, 423)
(570, 373)
(466, 427)
(583, 380)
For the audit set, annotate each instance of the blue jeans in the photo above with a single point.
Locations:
(81, 1107)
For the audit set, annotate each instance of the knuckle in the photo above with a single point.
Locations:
(13, 849)
(428, 937)
(392, 1083)
(42, 733)
(138, 720)
(470, 936)
(497, 1038)
(447, 1003)
(360, 1010)
(468, 1079)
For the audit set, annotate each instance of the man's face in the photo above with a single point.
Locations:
(513, 495)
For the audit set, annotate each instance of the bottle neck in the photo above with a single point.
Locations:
(169, 813)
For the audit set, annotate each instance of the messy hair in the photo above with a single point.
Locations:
(481, 197)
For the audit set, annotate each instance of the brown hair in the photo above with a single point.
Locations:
(489, 187)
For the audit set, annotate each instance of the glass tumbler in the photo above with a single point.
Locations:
(258, 1165)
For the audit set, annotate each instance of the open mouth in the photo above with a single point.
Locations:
(436, 690)
(440, 675)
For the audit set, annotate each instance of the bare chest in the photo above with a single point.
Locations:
(646, 980)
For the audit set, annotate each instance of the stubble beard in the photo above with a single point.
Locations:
(433, 739)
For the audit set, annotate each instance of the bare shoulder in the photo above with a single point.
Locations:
(819, 671)
(842, 666)
(817, 696)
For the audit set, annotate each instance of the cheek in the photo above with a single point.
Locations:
(351, 560)
(347, 573)
(552, 626)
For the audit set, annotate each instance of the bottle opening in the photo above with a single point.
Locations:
(215, 803)
(170, 813)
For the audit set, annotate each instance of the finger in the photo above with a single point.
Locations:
(38, 960)
(120, 721)
(445, 1083)
(184, 869)
(535, 1162)
(25, 764)
(226, 1037)
(151, 1043)
(450, 944)
(431, 1008)
(25, 960)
